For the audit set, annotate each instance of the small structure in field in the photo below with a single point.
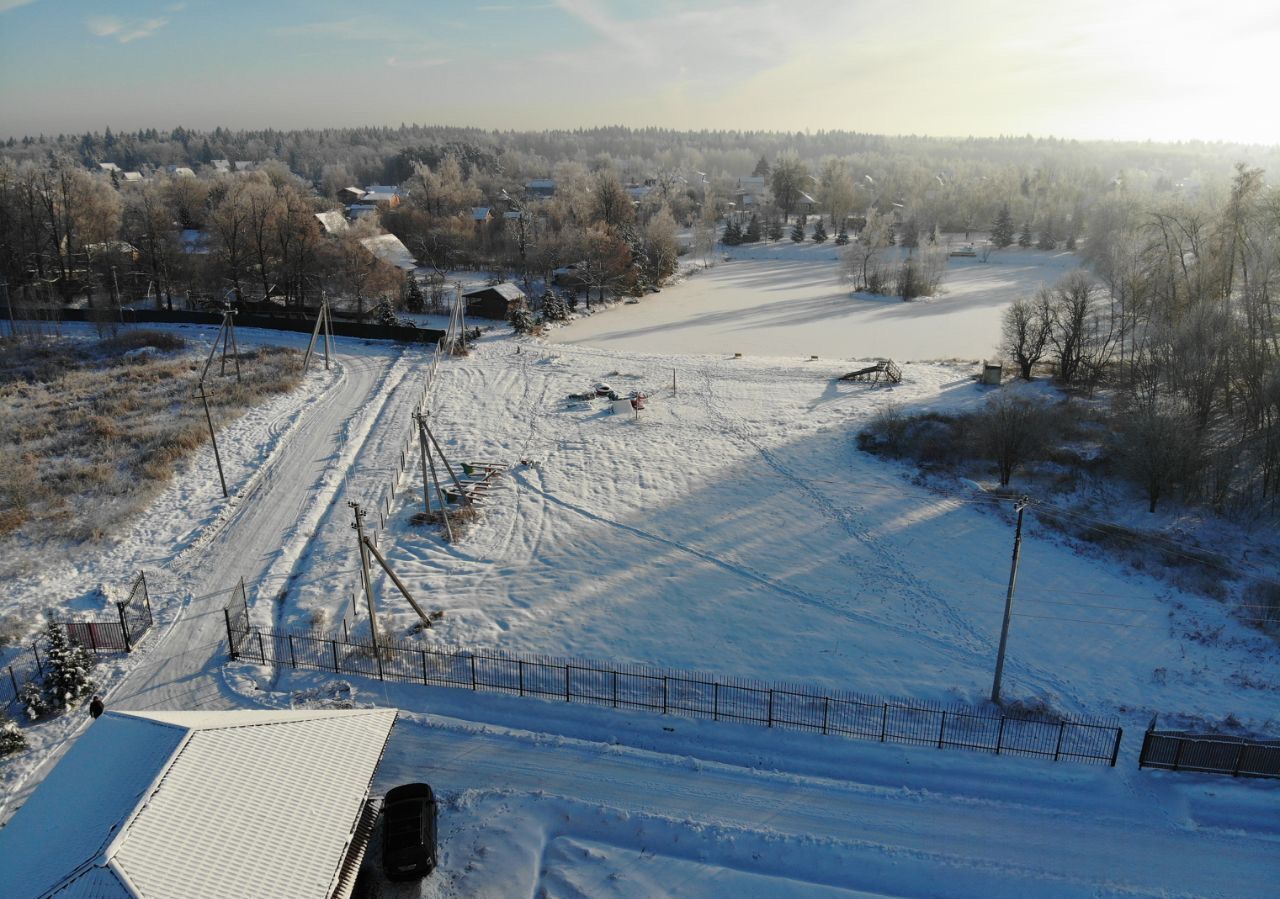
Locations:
(992, 373)
(884, 370)
(496, 302)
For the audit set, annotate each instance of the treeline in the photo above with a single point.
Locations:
(1178, 323)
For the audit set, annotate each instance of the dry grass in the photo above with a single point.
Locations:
(91, 432)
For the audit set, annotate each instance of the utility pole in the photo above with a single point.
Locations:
(322, 319)
(1008, 603)
(364, 571)
(13, 325)
(423, 437)
(213, 438)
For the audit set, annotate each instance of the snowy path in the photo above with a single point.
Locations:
(180, 669)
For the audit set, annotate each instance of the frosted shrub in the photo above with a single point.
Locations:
(68, 671)
(11, 738)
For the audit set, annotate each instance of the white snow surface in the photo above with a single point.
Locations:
(733, 528)
(788, 300)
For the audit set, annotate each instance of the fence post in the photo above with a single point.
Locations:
(13, 680)
(1146, 748)
(770, 714)
(377, 650)
(424, 666)
(124, 628)
(566, 681)
(346, 634)
(262, 652)
(942, 728)
(293, 659)
(231, 643)
(1115, 750)
(715, 701)
(1000, 735)
(520, 672)
(1057, 750)
(884, 722)
(93, 640)
(664, 694)
(615, 688)
(1235, 769)
(826, 705)
(36, 652)
(473, 672)
(333, 644)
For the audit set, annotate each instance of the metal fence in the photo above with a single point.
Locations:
(236, 613)
(688, 695)
(1210, 753)
(133, 619)
(28, 666)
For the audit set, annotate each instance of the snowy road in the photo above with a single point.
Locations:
(179, 669)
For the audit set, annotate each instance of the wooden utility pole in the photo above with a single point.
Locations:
(1008, 603)
(213, 438)
(229, 335)
(426, 620)
(358, 526)
(435, 478)
(463, 497)
(321, 318)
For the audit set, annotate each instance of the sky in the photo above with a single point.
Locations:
(1088, 69)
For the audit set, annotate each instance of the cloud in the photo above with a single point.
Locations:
(6, 5)
(123, 30)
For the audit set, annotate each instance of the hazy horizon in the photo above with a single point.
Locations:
(1169, 71)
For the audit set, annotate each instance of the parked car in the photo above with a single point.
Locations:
(409, 832)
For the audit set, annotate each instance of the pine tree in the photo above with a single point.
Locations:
(414, 301)
(911, 234)
(732, 235)
(797, 230)
(521, 321)
(773, 230)
(11, 738)
(752, 234)
(1048, 239)
(893, 235)
(842, 237)
(1002, 230)
(1024, 238)
(67, 672)
(819, 231)
(385, 315)
(762, 169)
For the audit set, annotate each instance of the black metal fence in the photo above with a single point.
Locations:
(1210, 753)
(121, 634)
(236, 613)
(26, 667)
(686, 694)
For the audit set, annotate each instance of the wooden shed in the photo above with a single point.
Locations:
(496, 302)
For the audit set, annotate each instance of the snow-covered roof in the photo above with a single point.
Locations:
(181, 171)
(132, 176)
(108, 167)
(380, 196)
(198, 804)
(333, 222)
(479, 213)
(384, 189)
(221, 165)
(506, 290)
(390, 250)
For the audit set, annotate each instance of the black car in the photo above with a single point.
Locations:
(409, 832)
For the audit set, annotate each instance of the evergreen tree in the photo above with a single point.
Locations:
(1071, 242)
(752, 234)
(819, 231)
(67, 671)
(554, 308)
(414, 301)
(797, 230)
(385, 315)
(1048, 239)
(1002, 230)
(761, 170)
(842, 237)
(893, 235)
(11, 738)
(732, 235)
(522, 321)
(911, 234)
(1024, 237)
(773, 230)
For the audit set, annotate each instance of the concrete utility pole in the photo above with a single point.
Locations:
(213, 438)
(321, 319)
(1008, 603)
(358, 526)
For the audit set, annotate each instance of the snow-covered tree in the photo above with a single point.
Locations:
(842, 237)
(1002, 230)
(773, 229)
(732, 235)
(68, 671)
(752, 233)
(797, 230)
(1024, 236)
(414, 301)
(819, 231)
(11, 738)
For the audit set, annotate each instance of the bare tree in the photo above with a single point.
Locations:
(1025, 332)
(1014, 426)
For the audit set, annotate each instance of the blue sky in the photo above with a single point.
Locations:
(1092, 68)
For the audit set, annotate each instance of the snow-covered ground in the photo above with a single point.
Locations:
(788, 300)
(733, 528)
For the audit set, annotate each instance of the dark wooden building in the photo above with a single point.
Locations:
(496, 302)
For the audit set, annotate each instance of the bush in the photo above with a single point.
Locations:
(33, 700)
(67, 676)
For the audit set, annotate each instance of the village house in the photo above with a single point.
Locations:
(496, 302)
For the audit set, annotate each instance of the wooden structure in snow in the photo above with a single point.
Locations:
(884, 369)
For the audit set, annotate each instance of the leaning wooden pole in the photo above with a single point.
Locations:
(212, 350)
(426, 619)
(435, 479)
(315, 332)
(463, 495)
(235, 347)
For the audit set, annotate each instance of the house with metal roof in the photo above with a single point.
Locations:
(201, 805)
(390, 250)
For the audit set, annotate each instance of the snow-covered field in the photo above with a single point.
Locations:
(734, 528)
(787, 300)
